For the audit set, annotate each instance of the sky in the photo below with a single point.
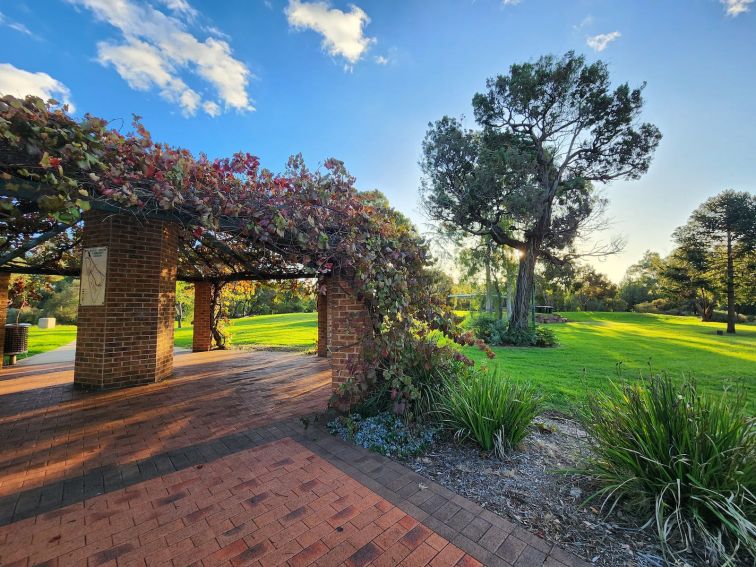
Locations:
(361, 81)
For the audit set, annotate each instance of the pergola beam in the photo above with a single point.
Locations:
(224, 264)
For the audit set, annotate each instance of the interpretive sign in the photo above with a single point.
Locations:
(94, 268)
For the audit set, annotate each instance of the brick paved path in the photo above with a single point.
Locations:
(216, 467)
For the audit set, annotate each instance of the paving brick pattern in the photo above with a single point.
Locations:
(216, 467)
(271, 505)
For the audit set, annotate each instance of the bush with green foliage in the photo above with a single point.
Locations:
(496, 332)
(488, 329)
(492, 410)
(685, 458)
(384, 433)
(410, 384)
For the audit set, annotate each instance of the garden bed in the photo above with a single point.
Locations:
(530, 487)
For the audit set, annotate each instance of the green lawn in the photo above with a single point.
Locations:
(42, 340)
(592, 345)
(298, 330)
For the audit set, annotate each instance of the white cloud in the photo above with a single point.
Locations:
(510, 2)
(19, 83)
(156, 49)
(342, 31)
(211, 108)
(736, 7)
(381, 60)
(181, 7)
(601, 41)
(18, 26)
(142, 66)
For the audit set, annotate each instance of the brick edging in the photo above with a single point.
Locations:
(487, 537)
(484, 535)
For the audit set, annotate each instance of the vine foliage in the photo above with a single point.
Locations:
(237, 221)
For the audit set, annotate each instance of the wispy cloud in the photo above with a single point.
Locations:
(343, 32)
(18, 26)
(19, 83)
(584, 23)
(510, 2)
(601, 41)
(381, 60)
(736, 7)
(156, 48)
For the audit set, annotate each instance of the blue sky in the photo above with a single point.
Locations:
(360, 81)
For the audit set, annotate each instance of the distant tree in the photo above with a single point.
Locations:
(481, 256)
(726, 226)
(641, 281)
(27, 290)
(549, 129)
(689, 274)
(595, 292)
(184, 301)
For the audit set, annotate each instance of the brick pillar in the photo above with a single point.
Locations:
(322, 324)
(202, 337)
(4, 281)
(348, 325)
(128, 340)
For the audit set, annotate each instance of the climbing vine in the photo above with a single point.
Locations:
(54, 168)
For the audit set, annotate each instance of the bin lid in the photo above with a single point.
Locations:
(17, 325)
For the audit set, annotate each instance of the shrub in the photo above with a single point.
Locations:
(497, 333)
(685, 458)
(384, 433)
(492, 410)
(545, 337)
(488, 328)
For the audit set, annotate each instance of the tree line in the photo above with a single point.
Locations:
(710, 272)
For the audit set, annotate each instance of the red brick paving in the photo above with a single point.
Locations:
(277, 504)
(50, 431)
(176, 473)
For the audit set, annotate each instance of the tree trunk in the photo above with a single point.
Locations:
(216, 306)
(519, 320)
(489, 295)
(730, 287)
(179, 313)
(499, 300)
(705, 307)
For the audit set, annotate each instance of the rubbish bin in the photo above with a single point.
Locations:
(16, 340)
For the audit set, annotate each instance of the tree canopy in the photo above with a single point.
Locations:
(547, 131)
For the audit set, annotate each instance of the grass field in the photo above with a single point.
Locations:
(594, 346)
(42, 340)
(295, 330)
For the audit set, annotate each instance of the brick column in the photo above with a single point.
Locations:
(202, 337)
(129, 339)
(4, 281)
(322, 324)
(348, 325)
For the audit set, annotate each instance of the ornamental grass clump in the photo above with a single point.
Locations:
(489, 408)
(685, 459)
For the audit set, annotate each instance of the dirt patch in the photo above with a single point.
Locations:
(528, 487)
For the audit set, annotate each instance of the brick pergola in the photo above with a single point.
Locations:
(127, 340)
